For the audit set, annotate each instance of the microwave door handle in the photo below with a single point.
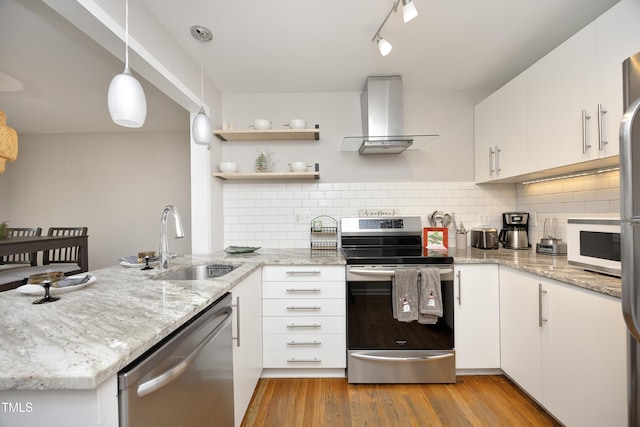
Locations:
(629, 291)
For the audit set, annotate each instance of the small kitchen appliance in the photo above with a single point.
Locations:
(484, 238)
(551, 244)
(595, 244)
(515, 230)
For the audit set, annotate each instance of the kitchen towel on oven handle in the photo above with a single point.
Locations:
(430, 296)
(404, 294)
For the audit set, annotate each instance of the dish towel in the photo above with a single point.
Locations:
(430, 294)
(404, 294)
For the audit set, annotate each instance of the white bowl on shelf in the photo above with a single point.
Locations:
(298, 166)
(297, 124)
(228, 167)
(261, 124)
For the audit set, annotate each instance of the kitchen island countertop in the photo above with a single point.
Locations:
(90, 334)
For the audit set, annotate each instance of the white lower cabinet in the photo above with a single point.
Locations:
(247, 345)
(304, 323)
(477, 316)
(566, 347)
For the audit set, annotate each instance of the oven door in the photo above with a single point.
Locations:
(381, 349)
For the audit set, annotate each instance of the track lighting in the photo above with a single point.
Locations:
(126, 100)
(409, 12)
(201, 129)
(383, 46)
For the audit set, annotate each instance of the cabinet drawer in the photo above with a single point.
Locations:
(303, 307)
(304, 351)
(303, 290)
(303, 273)
(304, 325)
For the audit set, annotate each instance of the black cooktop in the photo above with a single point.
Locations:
(395, 256)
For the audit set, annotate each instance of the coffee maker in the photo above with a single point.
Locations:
(515, 230)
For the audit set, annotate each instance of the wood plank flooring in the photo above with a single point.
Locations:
(485, 400)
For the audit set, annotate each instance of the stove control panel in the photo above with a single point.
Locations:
(363, 226)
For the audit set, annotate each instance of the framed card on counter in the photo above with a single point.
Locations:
(435, 238)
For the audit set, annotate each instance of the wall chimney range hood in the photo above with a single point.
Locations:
(381, 103)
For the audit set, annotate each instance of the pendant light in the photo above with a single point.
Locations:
(201, 128)
(126, 100)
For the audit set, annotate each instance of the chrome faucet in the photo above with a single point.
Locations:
(164, 244)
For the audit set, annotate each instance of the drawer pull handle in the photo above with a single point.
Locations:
(303, 290)
(294, 360)
(314, 325)
(304, 273)
(313, 307)
(314, 342)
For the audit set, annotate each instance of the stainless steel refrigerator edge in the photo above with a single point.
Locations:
(630, 229)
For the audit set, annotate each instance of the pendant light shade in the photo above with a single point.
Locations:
(201, 129)
(126, 100)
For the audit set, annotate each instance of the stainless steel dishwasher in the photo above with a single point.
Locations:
(185, 380)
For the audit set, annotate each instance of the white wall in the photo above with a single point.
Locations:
(115, 184)
(446, 113)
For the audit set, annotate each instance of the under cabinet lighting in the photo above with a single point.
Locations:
(572, 175)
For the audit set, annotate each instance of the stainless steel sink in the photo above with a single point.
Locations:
(197, 272)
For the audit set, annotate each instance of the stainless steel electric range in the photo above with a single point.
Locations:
(380, 348)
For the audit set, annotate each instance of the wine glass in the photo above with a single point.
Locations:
(46, 284)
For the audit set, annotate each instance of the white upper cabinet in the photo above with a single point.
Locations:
(561, 102)
(565, 109)
(618, 33)
(501, 132)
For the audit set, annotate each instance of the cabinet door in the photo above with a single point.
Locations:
(485, 128)
(520, 331)
(560, 86)
(511, 137)
(583, 357)
(618, 34)
(477, 317)
(247, 350)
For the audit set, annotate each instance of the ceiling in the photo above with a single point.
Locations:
(278, 46)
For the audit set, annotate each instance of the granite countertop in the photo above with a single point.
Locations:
(553, 267)
(90, 334)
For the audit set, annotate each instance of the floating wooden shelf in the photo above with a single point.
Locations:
(267, 175)
(269, 134)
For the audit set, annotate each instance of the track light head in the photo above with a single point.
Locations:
(383, 46)
(409, 10)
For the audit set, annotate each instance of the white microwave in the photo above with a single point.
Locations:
(594, 244)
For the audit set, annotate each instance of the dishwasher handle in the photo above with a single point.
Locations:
(173, 373)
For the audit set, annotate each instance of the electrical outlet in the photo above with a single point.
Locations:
(533, 219)
(303, 216)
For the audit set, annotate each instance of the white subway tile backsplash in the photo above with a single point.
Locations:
(265, 214)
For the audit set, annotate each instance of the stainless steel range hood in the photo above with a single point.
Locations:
(381, 103)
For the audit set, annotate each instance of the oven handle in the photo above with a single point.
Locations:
(389, 273)
(402, 359)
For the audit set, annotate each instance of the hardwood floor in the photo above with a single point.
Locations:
(490, 400)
